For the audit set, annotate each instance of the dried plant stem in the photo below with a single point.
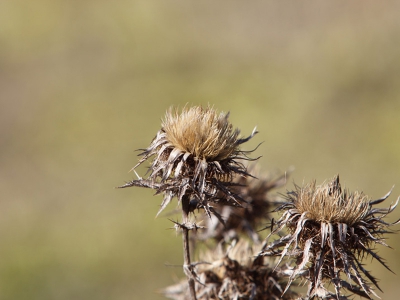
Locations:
(187, 268)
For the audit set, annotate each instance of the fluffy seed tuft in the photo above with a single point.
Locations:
(329, 203)
(202, 132)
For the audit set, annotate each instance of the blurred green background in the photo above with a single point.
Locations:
(85, 83)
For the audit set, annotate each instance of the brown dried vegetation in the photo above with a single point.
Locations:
(196, 157)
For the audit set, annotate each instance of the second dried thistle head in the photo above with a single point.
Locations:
(330, 231)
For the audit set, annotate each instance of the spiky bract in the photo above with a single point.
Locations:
(255, 211)
(234, 273)
(195, 154)
(330, 231)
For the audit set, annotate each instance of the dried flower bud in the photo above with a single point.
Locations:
(330, 231)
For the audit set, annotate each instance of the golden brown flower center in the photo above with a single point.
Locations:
(324, 205)
(201, 132)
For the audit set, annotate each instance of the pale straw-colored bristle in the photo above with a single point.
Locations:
(202, 132)
(324, 204)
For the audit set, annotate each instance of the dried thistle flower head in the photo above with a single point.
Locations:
(256, 191)
(195, 154)
(234, 273)
(330, 231)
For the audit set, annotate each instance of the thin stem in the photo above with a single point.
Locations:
(187, 268)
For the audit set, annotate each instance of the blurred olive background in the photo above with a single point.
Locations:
(85, 83)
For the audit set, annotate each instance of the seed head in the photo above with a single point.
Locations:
(195, 154)
(330, 232)
(234, 273)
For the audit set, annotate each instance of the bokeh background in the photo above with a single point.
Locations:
(85, 83)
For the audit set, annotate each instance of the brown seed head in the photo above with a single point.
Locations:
(195, 154)
(234, 272)
(330, 231)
